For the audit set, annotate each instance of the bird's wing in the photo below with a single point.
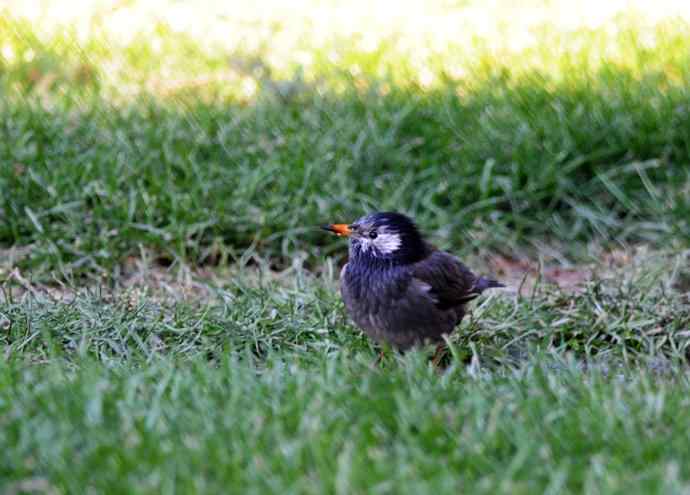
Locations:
(451, 283)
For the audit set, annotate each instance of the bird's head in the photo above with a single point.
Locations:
(384, 237)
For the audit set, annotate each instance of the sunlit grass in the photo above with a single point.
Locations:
(232, 49)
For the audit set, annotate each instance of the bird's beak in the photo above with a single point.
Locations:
(339, 229)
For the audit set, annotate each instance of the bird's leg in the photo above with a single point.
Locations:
(439, 354)
(383, 350)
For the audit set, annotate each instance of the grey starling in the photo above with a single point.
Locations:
(398, 288)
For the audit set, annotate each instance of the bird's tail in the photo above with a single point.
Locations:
(484, 283)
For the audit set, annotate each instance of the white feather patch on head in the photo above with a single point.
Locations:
(385, 243)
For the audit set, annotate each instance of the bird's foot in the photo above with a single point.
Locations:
(439, 354)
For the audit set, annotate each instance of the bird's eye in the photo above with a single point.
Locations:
(373, 234)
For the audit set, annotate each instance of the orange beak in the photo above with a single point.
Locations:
(339, 229)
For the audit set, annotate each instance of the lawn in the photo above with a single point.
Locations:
(169, 313)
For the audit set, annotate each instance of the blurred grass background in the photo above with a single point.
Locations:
(201, 131)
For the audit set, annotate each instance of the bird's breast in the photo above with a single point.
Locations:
(394, 307)
(371, 288)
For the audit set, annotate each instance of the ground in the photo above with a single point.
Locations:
(169, 310)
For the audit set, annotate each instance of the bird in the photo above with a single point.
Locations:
(402, 291)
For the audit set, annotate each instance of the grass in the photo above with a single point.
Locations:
(635, 311)
(261, 385)
(573, 138)
(341, 427)
(87, 189)
(169, 315)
